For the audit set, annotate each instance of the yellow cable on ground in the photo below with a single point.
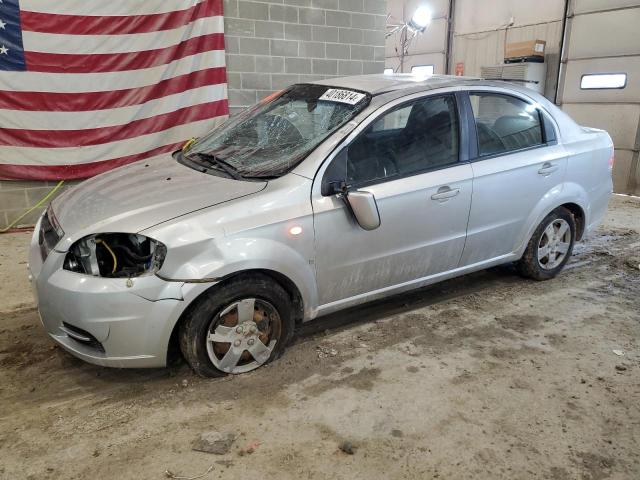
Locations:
(42, 200)
(113, 255)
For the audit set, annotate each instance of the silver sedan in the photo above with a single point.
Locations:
(321, 197)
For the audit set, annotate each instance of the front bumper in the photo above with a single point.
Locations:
(127, 324)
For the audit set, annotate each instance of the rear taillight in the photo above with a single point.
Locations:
(612, 159)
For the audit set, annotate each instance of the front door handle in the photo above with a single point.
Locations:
(547, 169)
(444, 193)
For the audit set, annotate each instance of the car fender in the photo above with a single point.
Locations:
(567, 192)
(226, 257)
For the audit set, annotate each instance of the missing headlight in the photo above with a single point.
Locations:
(115, 255)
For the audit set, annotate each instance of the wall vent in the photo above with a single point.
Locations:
(528, 74)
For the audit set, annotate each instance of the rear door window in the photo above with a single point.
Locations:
(505, 123)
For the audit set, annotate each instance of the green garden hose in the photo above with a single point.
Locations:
(39, 204)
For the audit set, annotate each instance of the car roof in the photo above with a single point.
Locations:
(377, 84)
(388, 87)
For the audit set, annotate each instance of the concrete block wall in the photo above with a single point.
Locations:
(272, 44)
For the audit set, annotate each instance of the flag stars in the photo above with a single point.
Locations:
(2, 25)
(4, 50)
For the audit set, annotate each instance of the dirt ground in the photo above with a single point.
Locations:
(488, 377)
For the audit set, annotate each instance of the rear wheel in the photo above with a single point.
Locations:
(237, 327)
(550, 246)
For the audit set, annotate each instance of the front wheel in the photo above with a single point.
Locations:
(237, 327)
(550, 246)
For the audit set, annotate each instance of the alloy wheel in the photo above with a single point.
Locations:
(243, 335)
(554, 244)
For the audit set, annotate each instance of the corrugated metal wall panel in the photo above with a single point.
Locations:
(483, 15)
(477, 50)
(487, 48)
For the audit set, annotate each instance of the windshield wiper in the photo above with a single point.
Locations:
(223, 165)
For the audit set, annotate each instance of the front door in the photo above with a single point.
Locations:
(409, 159)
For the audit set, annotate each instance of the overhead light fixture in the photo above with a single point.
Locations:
(407, 32)
(421, 19)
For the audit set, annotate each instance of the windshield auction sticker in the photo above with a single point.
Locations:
(342, 96)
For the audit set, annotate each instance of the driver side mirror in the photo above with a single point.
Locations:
(364, 208)
(362, 205)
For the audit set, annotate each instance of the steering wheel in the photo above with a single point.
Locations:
(387, 162)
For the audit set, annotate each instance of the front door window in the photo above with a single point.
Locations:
(410, 139)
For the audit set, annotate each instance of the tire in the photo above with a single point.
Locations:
(547, 267)
(229, 320)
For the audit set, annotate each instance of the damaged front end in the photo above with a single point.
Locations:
(115, 255)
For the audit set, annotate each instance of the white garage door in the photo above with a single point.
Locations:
(600, 79)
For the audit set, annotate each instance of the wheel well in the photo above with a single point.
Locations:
(578, 214)
(173, 349)
(290, 287)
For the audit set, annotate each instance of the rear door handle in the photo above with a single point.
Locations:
(547, 169)
(444, 193)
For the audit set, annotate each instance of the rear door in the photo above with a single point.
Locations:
(409, 158)
(518, 162)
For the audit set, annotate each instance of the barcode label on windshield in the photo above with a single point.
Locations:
(342, 96)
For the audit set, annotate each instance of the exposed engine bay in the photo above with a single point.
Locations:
(115, 255)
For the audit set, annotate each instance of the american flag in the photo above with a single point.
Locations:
(86, 86)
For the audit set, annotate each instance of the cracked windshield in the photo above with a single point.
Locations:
(270, 139)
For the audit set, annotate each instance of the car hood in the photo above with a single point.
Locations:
(141, 195)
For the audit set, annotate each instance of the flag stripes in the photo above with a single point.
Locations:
(116, 24)
(114, 116)
(118, 62)
(94, 136)
(96, 82)
(85, 87)
(75, 172)
(102, 9)
(37, 157)
(89, 101)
